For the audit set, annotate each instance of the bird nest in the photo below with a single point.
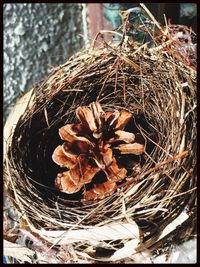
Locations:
(160, 93)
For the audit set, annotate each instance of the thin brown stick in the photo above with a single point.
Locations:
(102, 32)
(124, 82)
(178, 156)
(116, 77)
(108, 75)
(152, 17)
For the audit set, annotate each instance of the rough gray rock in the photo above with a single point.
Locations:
(36, 37)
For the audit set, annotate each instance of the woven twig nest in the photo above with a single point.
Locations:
(160, 92)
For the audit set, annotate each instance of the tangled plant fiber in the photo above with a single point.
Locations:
(160, 92)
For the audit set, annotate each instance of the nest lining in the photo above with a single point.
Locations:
(161, 94)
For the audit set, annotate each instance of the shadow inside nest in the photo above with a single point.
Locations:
(35, 142)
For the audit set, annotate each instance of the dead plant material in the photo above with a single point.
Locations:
(89, 151)
(160, 90)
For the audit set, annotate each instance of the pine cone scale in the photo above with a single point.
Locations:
(107, 155)
(68, 135)
(62, 159)
(134, 148)
(114, 172)
(98, 114)
(64, 183)
(122, 136)
(85, 115)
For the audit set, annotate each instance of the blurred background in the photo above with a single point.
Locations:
(38, 37)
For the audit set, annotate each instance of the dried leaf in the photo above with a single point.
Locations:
(17, 251)
(62, 159)
(134, 148)
(85, 115)
(122, 136)
(172, 226)
(126, 251)
(113, 231)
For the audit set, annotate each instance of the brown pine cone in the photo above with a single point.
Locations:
(91, 147)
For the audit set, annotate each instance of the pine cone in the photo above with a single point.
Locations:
(92, 146)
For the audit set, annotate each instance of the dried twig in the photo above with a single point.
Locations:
(156, 167)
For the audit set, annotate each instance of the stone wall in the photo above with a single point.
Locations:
(37, 37)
